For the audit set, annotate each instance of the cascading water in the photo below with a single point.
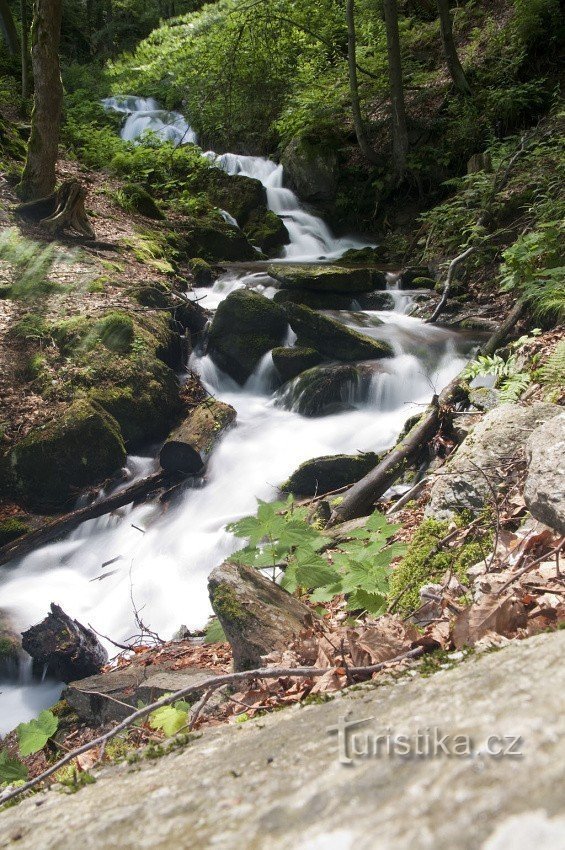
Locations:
(162, 558)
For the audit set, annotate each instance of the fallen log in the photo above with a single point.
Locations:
(68, 649)
(188, 446)
(62, 525)
(359, 500)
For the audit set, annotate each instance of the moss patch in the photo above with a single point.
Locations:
(12, 528)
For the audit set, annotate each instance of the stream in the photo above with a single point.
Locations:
(161, 559)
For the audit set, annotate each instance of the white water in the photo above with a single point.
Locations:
(310, 238)
(164, 556)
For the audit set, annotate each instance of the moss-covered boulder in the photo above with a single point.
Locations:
(267, 231)
(362, 256)
(76, 449)
(213, 239)
(416, 277)
(236, 194)
(331, 338)
(311, 169)
(328, 278)
(201, 271)
(376, 301)
(245, 327)
(315, 300)
(324, 390)
(10, 645)
(328, 473)
(290, 362)
(138, 199)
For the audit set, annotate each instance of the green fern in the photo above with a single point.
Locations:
(552, 373)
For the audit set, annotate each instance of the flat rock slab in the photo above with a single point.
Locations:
(108, 696)
(328, 278)
(276, 782)
(544, 490)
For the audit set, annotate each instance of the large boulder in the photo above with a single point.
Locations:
(55, 461)
(376, 301)
(311, 169)
(257, 616)
(235, 193)
(246, 325)
(212, 238)
(267, 231)
(10, 645)
(325, 390)
(544, 490)
(331, 338)
(316, 300)
(326, 474)
(290, 362)
(328, 278)
(478, 465)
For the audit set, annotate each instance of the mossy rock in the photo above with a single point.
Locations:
(328, 278)
(409, 276)
(191, 315)
(139, 200)
(76, 449)
(10, 645)
(312, 168)
(324, 390)
(245, 327)
(115, 331)
(290, 362)
(213, 239)
(315, 300)
(328, 473)
(376, 301)
(331, 338)
(235, 193)
(5, 290)
(201, 271)
(267, 231)
(12, 528)
(362, 257)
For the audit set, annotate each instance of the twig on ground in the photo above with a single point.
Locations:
(533, 564)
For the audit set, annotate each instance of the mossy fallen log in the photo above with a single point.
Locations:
(189, 445)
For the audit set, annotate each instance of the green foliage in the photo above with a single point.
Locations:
(34, 735)
(170, 719)
(533, 265)
(426, 561)
(11, 770)
(509, 379)
(280, 537)
(552, 373)
(214, 632)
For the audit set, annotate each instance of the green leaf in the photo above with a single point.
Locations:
(34, 735)
(326, 594)
(363, 600)
(313, 571)
(11, 770)
(169, 719)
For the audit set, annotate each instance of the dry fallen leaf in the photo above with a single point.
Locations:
(491, 614)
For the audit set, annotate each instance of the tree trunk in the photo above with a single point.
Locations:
(362, 139)
(38, 179)
(61, 210)
(25, 49)
(69, 649)
(188, 446)
(8, 28)
(398, 110)
(452, 59)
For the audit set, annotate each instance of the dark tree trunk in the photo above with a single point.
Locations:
(8, 28)
(38, 179)
(398, 110)
(188, 446)
(25, 49)
(360, 132)
(452, 59)
(69, 649)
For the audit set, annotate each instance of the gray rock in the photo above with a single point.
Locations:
(325, 474)
(311, 169)
(484, 398)
(108, 696)
(324, 390)
(315, 300)
(10, 645)
(467, 479)
(276, 782)
(256, 614)
(245, 327)
(376, 301)
(544, 490)
(325, 278)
